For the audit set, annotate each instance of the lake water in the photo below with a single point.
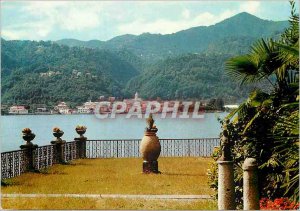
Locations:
(118, 128)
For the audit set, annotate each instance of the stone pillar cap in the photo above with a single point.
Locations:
(250, 163)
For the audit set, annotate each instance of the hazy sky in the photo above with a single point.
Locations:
(103, 20)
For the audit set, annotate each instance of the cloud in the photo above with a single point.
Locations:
(105, 19)
(165, 26)
(186, 14)
(250, 6)
(42, 18)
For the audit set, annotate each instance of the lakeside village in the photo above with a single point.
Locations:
(213, 105)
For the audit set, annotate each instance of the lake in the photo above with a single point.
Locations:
(118, 128)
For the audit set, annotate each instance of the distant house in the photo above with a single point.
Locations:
(111, 99)
(63, 108)
(18, 110)
(101, 98)
(42, 110)
(87, 108)
(82, 110)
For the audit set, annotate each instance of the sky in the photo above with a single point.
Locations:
(103, 20)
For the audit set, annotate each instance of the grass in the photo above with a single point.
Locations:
(113, 176)
(92, 204)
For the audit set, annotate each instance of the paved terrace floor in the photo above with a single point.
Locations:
(113, 184)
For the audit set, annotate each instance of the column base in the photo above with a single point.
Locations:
(150, 167)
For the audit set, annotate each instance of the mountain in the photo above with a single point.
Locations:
(79, 43)
(188, 64)
(34, 72)
(152, 47)
(193, 76)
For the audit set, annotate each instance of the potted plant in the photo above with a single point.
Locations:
(80, 129)
(58, 133)
(28, 136)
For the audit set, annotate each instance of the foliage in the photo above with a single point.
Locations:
(266, 125)
(167, 65)
(192, 76)
(45, 72)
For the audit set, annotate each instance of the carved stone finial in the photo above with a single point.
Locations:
(225, 144)
(151, 127)
(150, 122)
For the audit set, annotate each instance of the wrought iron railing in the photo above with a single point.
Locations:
(202, 147)
(44, 156)
(14, 163)
(71, 151)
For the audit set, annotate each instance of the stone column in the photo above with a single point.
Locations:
(81, 140)
(59, 144)
(250, 184)
(226, 187)
(29, 147)
(226, 193)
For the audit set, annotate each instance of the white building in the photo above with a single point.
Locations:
(63, 108)
(87, 108)
(18, 110)
(90, 105)
(82, 110)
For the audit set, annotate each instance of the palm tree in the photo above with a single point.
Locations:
(276, 62)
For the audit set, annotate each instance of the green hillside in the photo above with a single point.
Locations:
(191, 76)
(185, 65)
(35, 72)
(153, 47)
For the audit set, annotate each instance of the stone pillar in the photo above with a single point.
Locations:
(250, 184)
(226, 190)
(81, 140)
(29, 147)
(59, 145)
(226, 187)
(60, 150)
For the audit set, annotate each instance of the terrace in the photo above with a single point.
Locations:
(107, 174)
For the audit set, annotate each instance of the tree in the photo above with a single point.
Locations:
(266, 125)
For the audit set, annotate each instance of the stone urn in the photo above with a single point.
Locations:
(57, 133)
(80, 130)
(150, 148)
(28, 136)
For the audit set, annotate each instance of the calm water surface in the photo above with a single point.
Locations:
(118, 128)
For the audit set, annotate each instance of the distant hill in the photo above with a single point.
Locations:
(188, 64)
(152, 47)
(193, 76)
(34, 72)
(79, 43)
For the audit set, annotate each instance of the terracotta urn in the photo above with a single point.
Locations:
(150, 147)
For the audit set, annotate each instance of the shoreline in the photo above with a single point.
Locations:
(47, 114)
